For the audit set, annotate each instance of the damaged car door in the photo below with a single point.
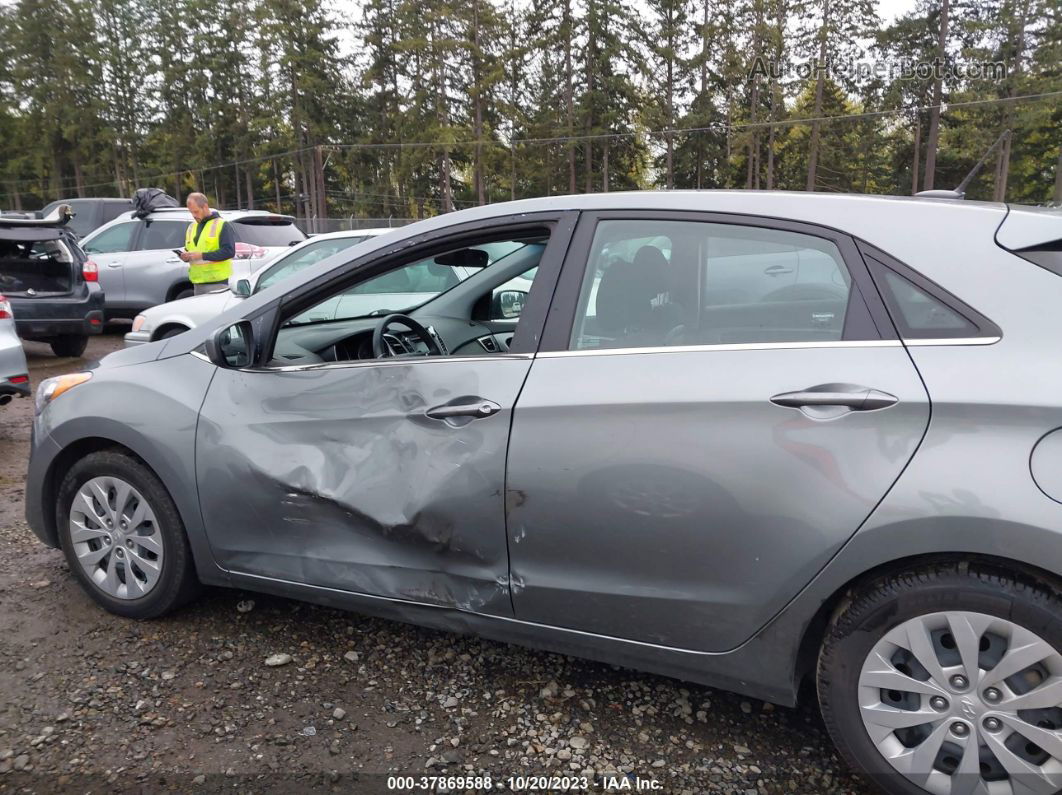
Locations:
(333, 468)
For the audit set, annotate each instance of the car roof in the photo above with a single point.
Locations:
(182, 214)
(90, 200)
(373, 232)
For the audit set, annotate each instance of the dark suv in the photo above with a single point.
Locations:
(53, 287)
(90, 214)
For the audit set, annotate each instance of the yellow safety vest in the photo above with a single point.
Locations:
(207, 272)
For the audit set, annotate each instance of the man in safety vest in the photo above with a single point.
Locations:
(210, 245)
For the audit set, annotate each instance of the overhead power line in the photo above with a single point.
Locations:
(719, 126)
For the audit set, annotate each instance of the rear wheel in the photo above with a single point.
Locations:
(948, 680)
(69, 345)
(123, 538)
(184, 291)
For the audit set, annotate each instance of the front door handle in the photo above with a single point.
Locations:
(777, 270)
(473, 407)
(850, 396)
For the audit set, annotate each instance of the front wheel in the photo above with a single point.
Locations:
(122, 536)
(69, 345)
(947, 680)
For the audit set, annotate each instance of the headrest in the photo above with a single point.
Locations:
(627, 289)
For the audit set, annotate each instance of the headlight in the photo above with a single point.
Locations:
(138, 323)
(51, 388)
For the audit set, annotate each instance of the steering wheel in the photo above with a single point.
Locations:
(382, 349)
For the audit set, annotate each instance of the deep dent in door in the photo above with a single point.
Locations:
(350, 486)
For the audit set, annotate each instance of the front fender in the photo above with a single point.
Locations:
(152, 409)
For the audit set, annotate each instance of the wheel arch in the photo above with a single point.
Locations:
(815, 630)
(187, 509)
(177, 288)
(169, 326)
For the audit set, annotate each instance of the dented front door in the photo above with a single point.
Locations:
(338, 477)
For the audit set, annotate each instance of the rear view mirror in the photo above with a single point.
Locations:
(464, 258)
(242, 288)
(507, 304)
(233, 346)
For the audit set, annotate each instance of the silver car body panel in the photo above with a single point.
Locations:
(627, 503)
(967, 490)
(12, 359)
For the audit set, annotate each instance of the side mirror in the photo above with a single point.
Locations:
(242, 288)
(507, 304)
(233, 346)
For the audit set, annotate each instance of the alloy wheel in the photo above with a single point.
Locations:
(116, 538)
(964, 702)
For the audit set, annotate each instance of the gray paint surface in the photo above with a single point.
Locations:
(12, 357)
(718, 590)
(688, 513)
(347, 484)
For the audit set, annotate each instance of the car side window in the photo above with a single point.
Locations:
(922, 315)
(113, 240)
(666, 283)
(163, 235)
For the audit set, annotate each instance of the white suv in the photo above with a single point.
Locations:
(137, 266)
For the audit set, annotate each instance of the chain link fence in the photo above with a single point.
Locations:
(317, 226)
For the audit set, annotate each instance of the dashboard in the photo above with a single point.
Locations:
(351, 340)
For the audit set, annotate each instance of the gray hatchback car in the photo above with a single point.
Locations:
(746, 439)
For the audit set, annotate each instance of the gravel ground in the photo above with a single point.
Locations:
(248, 693)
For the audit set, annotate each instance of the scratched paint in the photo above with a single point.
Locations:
(345, 483)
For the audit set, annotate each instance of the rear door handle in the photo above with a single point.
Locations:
(476, 408)
(777, 270)
(855, 398)
(114, 264)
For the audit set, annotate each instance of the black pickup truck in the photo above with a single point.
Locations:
(52, 285)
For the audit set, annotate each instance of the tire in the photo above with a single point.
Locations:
(183, 292)
(984, 610)
(171, 573)
(69, 345)
(172, 332)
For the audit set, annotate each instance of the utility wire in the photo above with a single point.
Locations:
(720, 126)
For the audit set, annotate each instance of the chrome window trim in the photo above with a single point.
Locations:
(389, 362)
(763, 346)
(952, 341)
(760, 346)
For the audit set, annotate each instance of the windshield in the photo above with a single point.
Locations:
(302, 258)
(268, 232)
(404, 288)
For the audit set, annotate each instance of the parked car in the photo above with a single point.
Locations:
(176, 317)
(50, 283)
(14, 374)
(416, 287)
(89, 214)
(139, 269)
(855, 483)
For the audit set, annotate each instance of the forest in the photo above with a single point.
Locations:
(405, 109)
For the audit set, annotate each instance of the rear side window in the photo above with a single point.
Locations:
(281, 232)
(920, 308)
(664, 283)
(922, 313)
(163, 235)
(1047, 256)
(113, 239)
